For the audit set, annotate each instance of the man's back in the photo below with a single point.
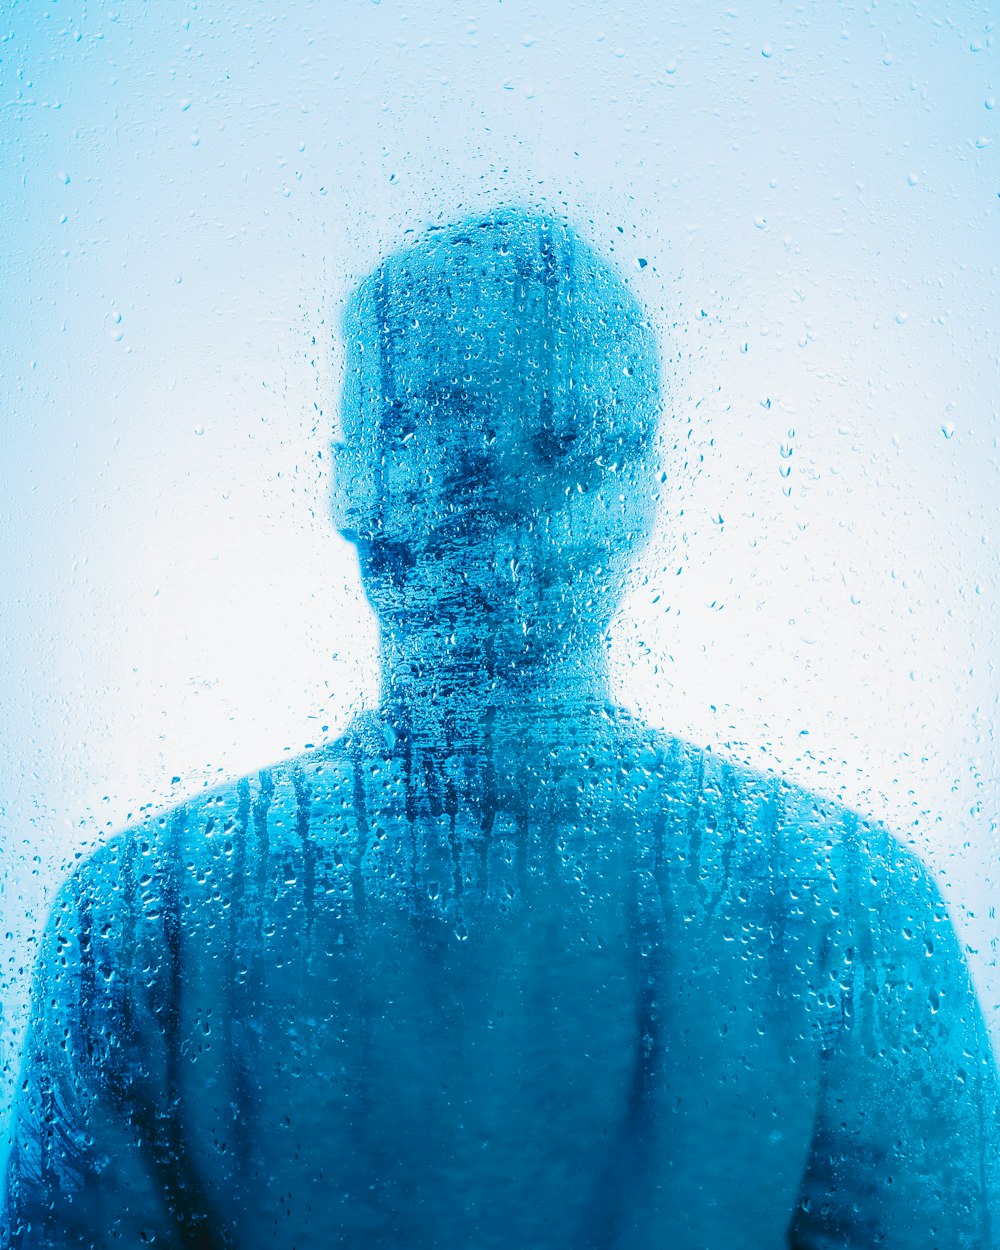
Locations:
(622, 994)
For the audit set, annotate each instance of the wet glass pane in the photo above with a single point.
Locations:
(499, 738)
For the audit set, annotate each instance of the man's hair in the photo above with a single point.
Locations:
(513, 291)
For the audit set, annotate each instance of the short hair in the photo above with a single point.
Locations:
(513, 291)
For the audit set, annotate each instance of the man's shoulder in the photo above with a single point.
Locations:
(753, 818)
(782, 827)
(213, 831)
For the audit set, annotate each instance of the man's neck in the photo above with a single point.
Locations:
(452, 691)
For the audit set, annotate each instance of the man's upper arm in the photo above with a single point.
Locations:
(79, 1172)
(905, 1150)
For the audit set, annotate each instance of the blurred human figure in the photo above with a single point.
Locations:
(503, 967)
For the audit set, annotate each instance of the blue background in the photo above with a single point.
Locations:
(806, 201)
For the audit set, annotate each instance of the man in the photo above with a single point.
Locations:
(503, 967)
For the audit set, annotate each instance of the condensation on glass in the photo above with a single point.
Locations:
(502, 965)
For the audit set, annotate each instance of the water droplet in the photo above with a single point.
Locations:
(64, 177)
(194, 140)
(199, 430)
(902, 317)
(760, 223)
(948, 429)
(912, 179)
(184, 105)
(766, 51)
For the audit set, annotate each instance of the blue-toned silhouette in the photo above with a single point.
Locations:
(503, 967)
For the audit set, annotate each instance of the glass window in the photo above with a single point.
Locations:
(497, 577)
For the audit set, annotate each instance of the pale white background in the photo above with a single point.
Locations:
(189, 193)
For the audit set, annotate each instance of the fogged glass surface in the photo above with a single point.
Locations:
(498, 574)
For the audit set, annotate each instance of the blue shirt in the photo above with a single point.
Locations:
(628, 995)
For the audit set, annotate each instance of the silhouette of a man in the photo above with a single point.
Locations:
(503, 967)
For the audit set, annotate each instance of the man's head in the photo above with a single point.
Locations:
(499, 419)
